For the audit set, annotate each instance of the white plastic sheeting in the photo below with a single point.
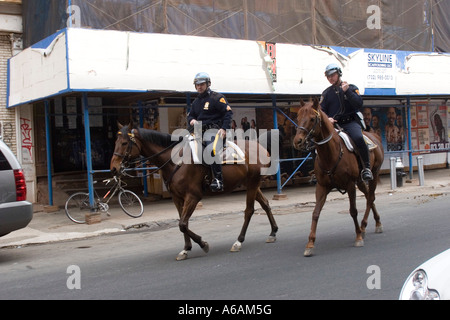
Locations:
(117, 61)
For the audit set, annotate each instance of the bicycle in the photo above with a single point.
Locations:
(78, 204)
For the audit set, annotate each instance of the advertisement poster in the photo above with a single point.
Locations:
(389, 123)
(438, 129)
(428, 130)
(380, 70)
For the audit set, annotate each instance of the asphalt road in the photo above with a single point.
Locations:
(141, 265)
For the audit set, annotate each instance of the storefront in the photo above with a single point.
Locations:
(95, 77)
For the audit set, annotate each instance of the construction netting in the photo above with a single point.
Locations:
(410, 25)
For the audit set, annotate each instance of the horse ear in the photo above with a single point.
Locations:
(302, 103)
(119, 125)
(316, 103)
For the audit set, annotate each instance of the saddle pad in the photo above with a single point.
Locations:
(344, 136)
(233, 153)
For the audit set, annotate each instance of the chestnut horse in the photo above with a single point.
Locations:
(336, 167)
(186, 182)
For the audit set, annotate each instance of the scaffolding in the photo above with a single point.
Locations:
(410, 25)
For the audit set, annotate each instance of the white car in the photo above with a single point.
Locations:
(430, 280)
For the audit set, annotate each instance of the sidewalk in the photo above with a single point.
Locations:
(55, 226)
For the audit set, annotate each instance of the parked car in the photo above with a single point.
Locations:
(430, 280)
(15, 211)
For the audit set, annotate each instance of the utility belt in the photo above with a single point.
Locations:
(346, 119)
(358, 117)
(211, 126)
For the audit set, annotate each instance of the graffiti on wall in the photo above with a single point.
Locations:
(26, 133)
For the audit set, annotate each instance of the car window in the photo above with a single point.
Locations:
(4, 164)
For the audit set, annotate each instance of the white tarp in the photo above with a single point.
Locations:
(118, 61)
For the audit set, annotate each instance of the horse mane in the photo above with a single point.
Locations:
(156, 137)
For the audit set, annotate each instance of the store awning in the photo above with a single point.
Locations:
(86, 60)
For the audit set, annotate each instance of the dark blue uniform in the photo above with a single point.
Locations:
(212, 109)
(342, 106)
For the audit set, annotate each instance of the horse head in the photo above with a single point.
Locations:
(309, 120)
(127, 146)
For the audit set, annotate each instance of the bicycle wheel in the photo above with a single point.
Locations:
(77, 206)
(131, 204)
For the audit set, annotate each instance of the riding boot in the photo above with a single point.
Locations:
(366, 173)
(217, 181)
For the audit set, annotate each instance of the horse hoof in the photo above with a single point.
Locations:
(308, 252)
(379, 229)
(236, 246)
(359, 243)
(271, 239)
(182, 255)
(206, 247)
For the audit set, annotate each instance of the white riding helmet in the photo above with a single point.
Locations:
(202, 77)
(332, 68)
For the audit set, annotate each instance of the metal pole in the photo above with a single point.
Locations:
(408, 109)
(393, 173)
(87, 134)
(144, 165)
(420, 170)
(275, 126)
(49, 152)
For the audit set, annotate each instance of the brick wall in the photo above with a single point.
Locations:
(7, 116)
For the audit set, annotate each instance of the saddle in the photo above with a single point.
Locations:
(348, 143)
(231, 153)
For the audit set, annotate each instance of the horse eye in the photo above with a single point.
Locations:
(124, 143)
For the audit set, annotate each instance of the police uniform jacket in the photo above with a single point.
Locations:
(212, 109)
(341, 106)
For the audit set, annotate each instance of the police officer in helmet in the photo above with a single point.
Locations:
(341, 101)
(212, 110)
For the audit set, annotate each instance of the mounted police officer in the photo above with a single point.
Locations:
(212, 109)
(341, 102)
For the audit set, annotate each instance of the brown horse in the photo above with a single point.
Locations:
(186, 182)
(336, 167)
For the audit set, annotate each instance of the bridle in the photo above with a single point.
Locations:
(310, 133)
(125, 163)
(131, 142)
(309, 138)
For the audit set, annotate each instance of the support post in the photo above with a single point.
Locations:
(93, 216)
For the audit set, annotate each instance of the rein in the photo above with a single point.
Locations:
(127, 163)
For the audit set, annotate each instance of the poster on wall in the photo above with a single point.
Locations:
(428, 130)
(389, 123)
(438, 129)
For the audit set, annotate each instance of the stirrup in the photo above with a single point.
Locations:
(366, 174)
(216, 185)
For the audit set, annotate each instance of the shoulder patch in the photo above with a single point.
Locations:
(223, 100)
(228, 108)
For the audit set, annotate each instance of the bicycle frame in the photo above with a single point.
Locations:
(111, 193)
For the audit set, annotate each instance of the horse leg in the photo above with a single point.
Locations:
(351, 190)
(321, 196)
(376, 216)
(363, 188)
(262, 200)
(370, 204)
(248, 213)
(188, 209)
(187, 240)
